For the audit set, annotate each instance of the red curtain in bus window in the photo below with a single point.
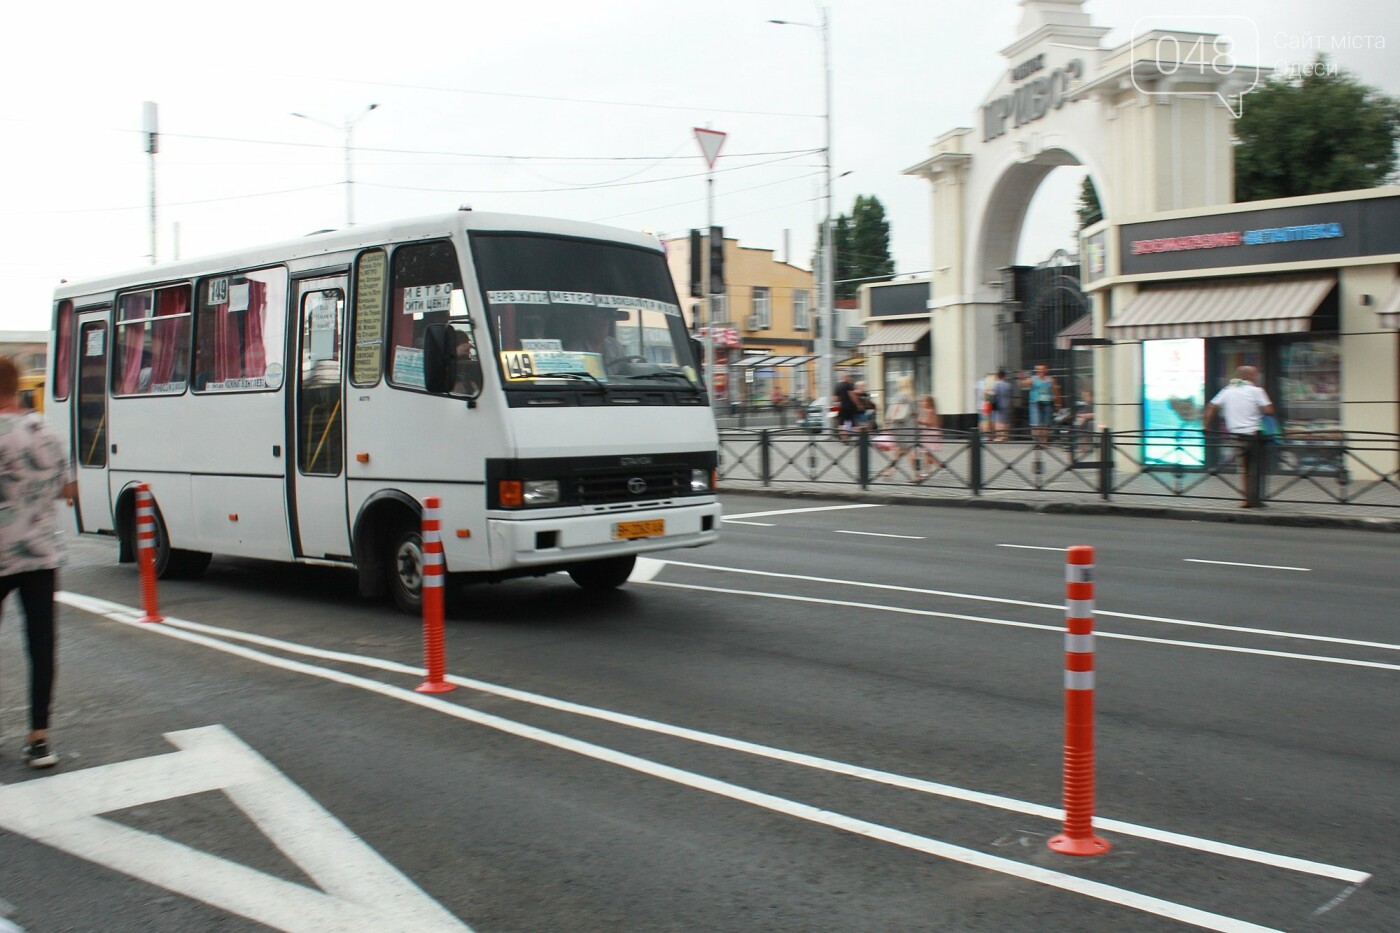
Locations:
(64, 362)
(131, 344)
(255, 354)
(227, 359)
(169, 337)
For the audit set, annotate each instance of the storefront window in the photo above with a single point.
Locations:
(1309, 385)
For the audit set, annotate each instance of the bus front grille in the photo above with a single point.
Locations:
(630, 485)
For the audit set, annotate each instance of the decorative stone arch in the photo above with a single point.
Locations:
(1154, 135)
(996, 232)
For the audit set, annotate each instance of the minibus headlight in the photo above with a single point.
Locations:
(541, 491)
(699, 480)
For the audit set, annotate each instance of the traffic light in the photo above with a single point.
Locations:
(697, 280)
(716, 260)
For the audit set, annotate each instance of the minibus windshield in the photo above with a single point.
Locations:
(560, 309)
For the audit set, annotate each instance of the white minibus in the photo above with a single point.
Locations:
(298, 402)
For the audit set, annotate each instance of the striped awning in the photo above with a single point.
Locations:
(1082, 326)
(773, 362)
(901, 337)
(1390, 311)
(1239, 307)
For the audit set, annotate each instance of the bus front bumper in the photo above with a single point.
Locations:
(528, 541)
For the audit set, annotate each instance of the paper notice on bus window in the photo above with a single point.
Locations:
(517, 297)
(94, 342)
(539, 364)
(238, 297)
(541, 344)
(427, 299)
(642, 304)
(408, 367)
(369, 316)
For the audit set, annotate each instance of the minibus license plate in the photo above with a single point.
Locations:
(628, 531)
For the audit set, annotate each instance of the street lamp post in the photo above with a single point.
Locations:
(348, 128)
(826, 313)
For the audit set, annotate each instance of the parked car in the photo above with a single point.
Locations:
(819, 418)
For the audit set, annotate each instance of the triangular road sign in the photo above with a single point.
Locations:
(359, 890)
(710, 143)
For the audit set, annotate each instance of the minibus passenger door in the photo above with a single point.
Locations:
(90, 439)
(317, 483)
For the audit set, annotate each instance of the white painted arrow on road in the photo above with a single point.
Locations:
(359, 890)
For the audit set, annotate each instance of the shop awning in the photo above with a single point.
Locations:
(1242, 307)
(1081, 327)
(902, 337)
(774, 362)
(1390, 311)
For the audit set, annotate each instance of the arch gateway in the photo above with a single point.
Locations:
(1183, 284)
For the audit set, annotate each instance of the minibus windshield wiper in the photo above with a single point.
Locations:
(579, 376)
(669, 373)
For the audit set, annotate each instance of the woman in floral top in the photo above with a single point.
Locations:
(34, 471)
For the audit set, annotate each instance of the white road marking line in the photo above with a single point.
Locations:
(735, 521)
(1073, 884)
(1230, 563)
(820, 508)
(360, 888)
(823, 764)
(1031, 547)
(876, 534)
(895, 588)
(1013, 623)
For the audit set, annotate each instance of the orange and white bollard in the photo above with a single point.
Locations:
(434, 572)
(1078, 836)
(146, 552)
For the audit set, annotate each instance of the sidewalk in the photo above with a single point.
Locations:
(1302, 515)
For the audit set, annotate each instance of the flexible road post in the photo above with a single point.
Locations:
(1078, 837)
(146, 553)
(434, 651)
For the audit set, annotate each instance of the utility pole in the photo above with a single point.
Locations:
(148, 128)
(347, 128)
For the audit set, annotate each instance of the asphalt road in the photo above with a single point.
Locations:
(837, 718)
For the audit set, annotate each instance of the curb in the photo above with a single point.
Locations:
(1267, 516)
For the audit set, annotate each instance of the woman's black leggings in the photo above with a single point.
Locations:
(36, 589)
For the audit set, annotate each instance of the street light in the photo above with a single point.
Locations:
(826, 314)
(347, 128)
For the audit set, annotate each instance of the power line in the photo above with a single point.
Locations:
(575, 100)
(142, 207)
(629, 184)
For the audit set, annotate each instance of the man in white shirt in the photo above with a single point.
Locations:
(1242, 406)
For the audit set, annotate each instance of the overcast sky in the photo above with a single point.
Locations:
(578, 110)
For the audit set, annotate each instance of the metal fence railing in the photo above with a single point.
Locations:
(1353, 468)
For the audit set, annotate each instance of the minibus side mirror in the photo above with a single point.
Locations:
(439, 364)
(697, 350)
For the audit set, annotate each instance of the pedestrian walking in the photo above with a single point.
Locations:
(848, 406)
(900, 425)
(930, 426)
(34, 471)
(1043, 396)
(1001, 407)
(986, 406)
(1242, 406)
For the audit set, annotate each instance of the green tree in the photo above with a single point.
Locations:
(862, 241)
(1313, 133)
(1088, 209)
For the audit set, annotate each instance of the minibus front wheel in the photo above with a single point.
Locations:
(606, 574)
(404, 564)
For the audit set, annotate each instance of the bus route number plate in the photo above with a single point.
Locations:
(630, 531)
